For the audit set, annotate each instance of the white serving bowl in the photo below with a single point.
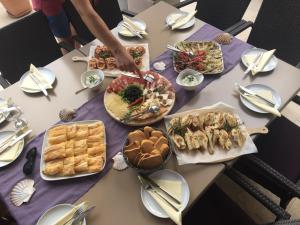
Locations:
(96, 72)
(199, 78)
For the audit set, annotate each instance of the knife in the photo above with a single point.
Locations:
(38, 83)
(248, 91)
(256, 61)
(155, 185)
(131, 29)
(9, 138)
(14, 141)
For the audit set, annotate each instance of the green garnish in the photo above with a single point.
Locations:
(131, 93)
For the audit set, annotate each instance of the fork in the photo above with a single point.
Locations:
(81, 216)
(79, 211)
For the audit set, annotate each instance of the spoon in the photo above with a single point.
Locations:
(83, 89)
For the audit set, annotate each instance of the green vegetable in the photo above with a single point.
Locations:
(131, 93)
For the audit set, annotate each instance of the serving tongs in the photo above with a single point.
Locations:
(178, 50)
(149, 185)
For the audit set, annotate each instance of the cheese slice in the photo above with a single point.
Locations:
(29, 84)
(175, 216)
(172, 186)
(69, 215)
(10, 154)
(184, 20)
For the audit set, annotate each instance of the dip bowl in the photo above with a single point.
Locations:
(189, 79)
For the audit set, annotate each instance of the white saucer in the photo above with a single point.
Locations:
(185, 26)
(139, 23)
(48, 74)
(261, 87)
(151, 204)
(52, 215)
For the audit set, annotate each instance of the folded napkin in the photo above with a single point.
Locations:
(29, 84)
(260, 104)
(69, 215)
(262, 62)
(10, 154)
(133, 25)
(183, 20)
(175, 188)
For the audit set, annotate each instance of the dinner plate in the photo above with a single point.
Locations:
(255, 52)
(257, 88)
(3, 136)
(177, 14)
(52, 215)
(48, 74)
(123, 31)
(42, 163)
(151, 204)
(3, 116)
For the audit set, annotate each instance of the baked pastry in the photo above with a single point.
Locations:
(72, 149)
(146, 149)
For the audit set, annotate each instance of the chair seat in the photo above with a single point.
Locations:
(216, 208)
(280, 148)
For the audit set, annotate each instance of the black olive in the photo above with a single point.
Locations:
(31, 154)
(28, 167)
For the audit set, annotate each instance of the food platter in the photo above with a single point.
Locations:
(128, 99)
(208, 135)
(100, 57)
(77, 150)
(203, 56)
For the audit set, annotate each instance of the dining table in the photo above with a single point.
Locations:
(117, 195)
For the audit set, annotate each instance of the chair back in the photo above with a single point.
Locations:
(28, 40)
(109, 11)
(76, 21)
(278, 26)
(221, 13)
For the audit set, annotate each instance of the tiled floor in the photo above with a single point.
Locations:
(291, 111)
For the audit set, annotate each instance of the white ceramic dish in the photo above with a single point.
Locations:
(3, 136)
(151, 204)
(255, 51)
(257, 88)
(42, 163)
(4, 115)
(48, 74)
(177, 14)
(123, 31)
(52, 215)
(96, 72)
(186, 72)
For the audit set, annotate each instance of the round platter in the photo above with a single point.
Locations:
(125, 81)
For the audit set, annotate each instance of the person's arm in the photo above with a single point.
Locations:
(99, 29)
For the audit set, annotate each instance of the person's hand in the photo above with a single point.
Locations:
(125, 61)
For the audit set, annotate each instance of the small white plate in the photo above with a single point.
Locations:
(123, 31)
(257, 88)
(48, 74)
(52, 215)
(177, 14)
(3, 136)
(255, 52)
(151, 204)
(4, 115)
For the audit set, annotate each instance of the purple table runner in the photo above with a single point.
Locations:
(52, 193)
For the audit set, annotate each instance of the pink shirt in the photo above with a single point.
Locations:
(48, 7)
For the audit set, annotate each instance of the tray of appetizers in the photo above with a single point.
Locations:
(101, 57)
(137, 102)
(72, 150)
(203, 56)
(208, 135)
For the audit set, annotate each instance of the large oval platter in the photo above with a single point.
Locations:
(123, 92)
